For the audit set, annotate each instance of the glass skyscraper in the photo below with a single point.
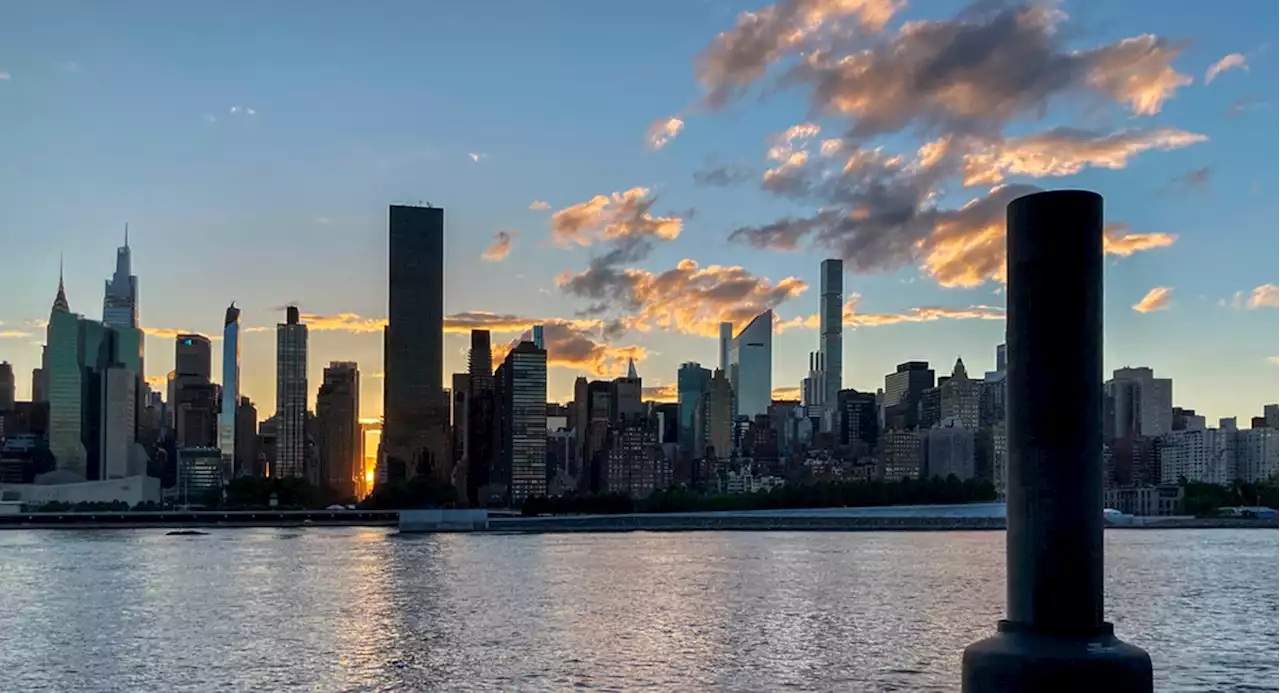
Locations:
(692, 380)
(751, 367)
(414, 404)
(64, 372)
(232, 464)
(522, 422)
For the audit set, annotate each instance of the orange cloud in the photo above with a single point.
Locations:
(1159, 298)
(786, 393)
(500, 247)
(342, 322)
(688, 299)
(157, 380)
(661, 393)
(1265, 296)
(571, 346)
(852, 317)
(13, 334)
(622, 215)
(538, 205)
(168, 333)
(1066, 151)
(662, 131)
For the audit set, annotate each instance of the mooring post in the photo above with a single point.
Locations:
(1054, 637)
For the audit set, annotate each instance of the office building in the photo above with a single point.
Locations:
(628, 394)
(857, 419)
(713, 422)
(1257, 454)
(195, 415)
(960, 398)
(831, 340)
(903, 390)
(291, 396)
(338, 436)
(1000, 459)
(900, 455)
(64, 373)
(247, 448)
(726, 337)
(635, 465)
(949, 450)
(192, 357)
(692, 380)
(120, 299)
(1271, 414)
(751, 367)
(521, 386)
(233, 463)
(479, 432)
(7, 387)
(414, 404)
(200, 477)
(1143, 403)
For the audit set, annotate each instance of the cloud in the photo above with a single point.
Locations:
(1244, 103)
(785, 393)
(169, 333)
(5, 76)
(1265, 296)
(538, 205)
(570, 345)
(14, 334)
(243, 110)
(342, 322)
(1066, 151)
(376, 374)
(1232, 61)
(501, 246)
(622, 218)
(1273, 359)
(661, 393)
(688, 299)
(477, 156)
(662, 131)
(740, 56)
(853, 318)
(958, 82)
(1159, 298)
(157, 380)
(723, 174)
(1116, 240)
(1191, 180)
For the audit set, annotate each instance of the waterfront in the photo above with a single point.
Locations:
(362, 609)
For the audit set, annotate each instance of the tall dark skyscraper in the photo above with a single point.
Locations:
(338, 429)
(192, 356)
(414, 403)
(291, 396)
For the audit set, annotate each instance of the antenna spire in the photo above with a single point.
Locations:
(126, 234)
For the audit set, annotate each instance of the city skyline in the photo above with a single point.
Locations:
(526, 246)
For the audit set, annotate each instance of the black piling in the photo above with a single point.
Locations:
(1054, 637)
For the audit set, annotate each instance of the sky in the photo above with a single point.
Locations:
(631, 175)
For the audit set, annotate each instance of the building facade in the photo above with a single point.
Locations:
(831, 339)
(339, 441)
(751, 367)
(291, 396)
(692, 381)
(229, 404)
(903, 390)
(522, 393)
(415, 409)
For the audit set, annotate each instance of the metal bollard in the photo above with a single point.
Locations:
(1054, 637)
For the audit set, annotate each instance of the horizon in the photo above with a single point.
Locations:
(697, 181)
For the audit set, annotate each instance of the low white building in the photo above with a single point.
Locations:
(132, 490)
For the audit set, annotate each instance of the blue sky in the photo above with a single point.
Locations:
(254, 147)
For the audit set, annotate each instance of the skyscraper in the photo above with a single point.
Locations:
(522, 422)
(831, 339)
(1143, 402)
(726, 336)
(64, 373)
(120, 300)
(692, 380)
(291, 396)
(751, 368)
(228, 414)
(903, 390)
(338, 429)
(6, 386)
(479, 420)
(414, 404)
(192, 357)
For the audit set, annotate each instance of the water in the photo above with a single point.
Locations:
(365, 610)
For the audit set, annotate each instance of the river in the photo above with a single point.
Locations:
(327, 609)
